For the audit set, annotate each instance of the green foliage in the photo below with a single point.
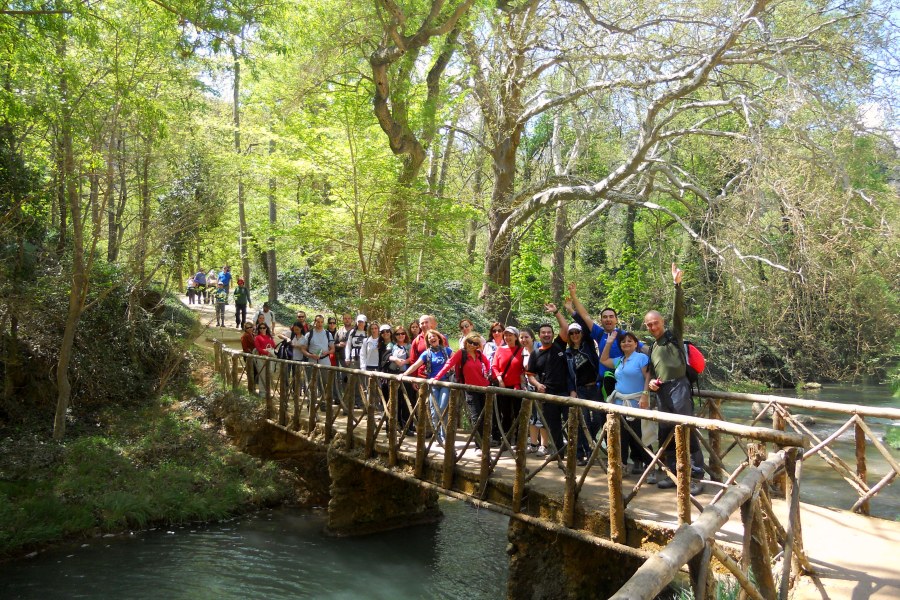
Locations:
(150, 465)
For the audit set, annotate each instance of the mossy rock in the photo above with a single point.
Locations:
(892, 436)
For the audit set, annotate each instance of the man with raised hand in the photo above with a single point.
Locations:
(668, 368)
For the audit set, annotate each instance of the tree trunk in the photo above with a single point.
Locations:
(272, 269)
(558, 260)
(144, 215)
(495, 289)
(79, 277)
(242, 216)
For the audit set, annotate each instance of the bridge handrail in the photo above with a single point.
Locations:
(690, 539)
(878, 412)
(763, 434)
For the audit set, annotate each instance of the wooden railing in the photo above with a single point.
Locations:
(311, 398)
(853, 417)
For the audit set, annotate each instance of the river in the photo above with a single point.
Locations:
(282, 553)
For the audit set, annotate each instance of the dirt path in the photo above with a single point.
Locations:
(230, 335)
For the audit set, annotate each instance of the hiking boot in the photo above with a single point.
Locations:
(530, 449)
(541, 452)
(666, 484)
(696, 487)
(581, 462)
(637, 469)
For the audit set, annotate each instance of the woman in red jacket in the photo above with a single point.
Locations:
(265, 346)
(507, 369)
(472, 368)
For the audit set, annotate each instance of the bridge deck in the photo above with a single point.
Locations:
(856, 556)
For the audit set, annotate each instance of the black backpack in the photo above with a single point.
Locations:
(284, 350)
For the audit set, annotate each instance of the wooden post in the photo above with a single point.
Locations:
(235, 371)
(778, 423)
(371, 397)
(312, 396)
(861, 467)
(760, 558)
(329, 406)
(251, 374)
(614, 477)
(217, 351)
(351, 407)
(715, 442)
(393, 442)
(295, 395)
(283, 394)
(270, 402)
(792, 493)
(450, 440)
(521, 442)
(569, 498)
(484, 471)
(422, 409)
(682, 472)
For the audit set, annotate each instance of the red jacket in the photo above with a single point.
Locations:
(475, 371)
(265, 345)
(500, 362)
(247, 342)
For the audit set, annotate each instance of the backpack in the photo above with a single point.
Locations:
(427, 356)
(695, 362)
(284, 350)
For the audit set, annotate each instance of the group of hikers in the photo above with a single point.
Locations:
(579, 358)
(214, 287)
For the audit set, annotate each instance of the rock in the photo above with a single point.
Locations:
(805, 419)
(812, 385)
(757, 407)
(892, 436)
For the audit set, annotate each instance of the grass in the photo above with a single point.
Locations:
(157, 464)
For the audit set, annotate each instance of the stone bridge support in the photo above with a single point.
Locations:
(366, 500)
(549, 564)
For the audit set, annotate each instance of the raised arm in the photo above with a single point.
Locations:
(678, 316)
(580, 310)
(605, 360)
(561, 319)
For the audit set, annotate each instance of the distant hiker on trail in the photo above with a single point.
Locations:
(200, 280)
(191, 290)
(212, 278)
(221, 298)
(241, 302)
(673, 390)
(225, 278)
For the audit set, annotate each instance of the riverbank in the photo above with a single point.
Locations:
(164, 463)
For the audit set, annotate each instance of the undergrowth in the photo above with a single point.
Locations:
(141, 466)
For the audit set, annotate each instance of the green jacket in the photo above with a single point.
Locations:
(242, 295)
(666, 353)
(221, 295)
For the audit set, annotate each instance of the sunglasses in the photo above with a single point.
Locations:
(400, 333)
(471, 343)
(496, 331)
(332, 322)
(574, 333)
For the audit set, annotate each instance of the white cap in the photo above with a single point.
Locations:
(574, 327)
(361, 317)
(384, 327)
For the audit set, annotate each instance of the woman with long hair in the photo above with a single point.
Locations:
(265, 346)
(507, 369)
(397, 363)
(495, 341)
(413, 330)
(465, 328)
(435, 357)
(632, 389)
(472, 368)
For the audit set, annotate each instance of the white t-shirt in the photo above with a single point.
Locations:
(370, 352)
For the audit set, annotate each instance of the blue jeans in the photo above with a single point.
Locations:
(440, 398)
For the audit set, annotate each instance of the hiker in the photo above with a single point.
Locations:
(583, 363)
(632, 384)
(548, 372)
(200, 280)
(265, 346)
(221, 298)
(430, 362)
(668, 370)
(317, 344)
(538, 437)
(267, 315)
(191, 289)
(507, 372)
(472, 368)
(241, 302)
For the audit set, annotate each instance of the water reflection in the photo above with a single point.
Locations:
(278, 554)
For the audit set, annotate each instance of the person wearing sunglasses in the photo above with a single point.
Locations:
(472, 368)
(495, 341)
(265, 346)
(583, 361)
(465, 328)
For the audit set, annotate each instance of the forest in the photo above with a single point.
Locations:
(455, 157)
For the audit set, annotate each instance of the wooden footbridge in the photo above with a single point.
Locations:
(749, 520)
